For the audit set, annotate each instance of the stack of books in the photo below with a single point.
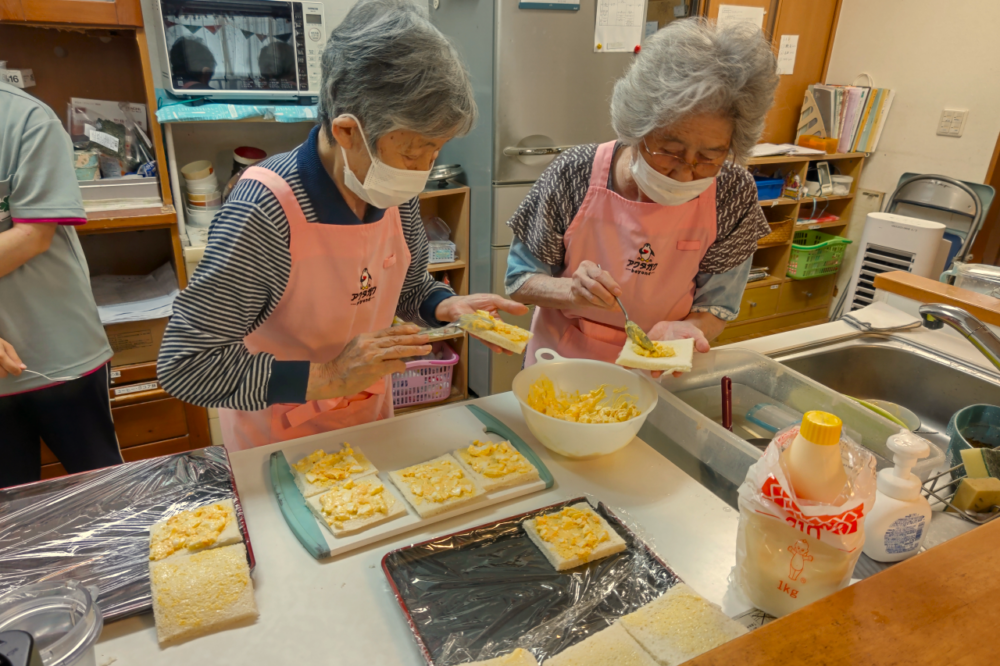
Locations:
(855, 115)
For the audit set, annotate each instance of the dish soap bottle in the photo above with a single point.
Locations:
(813, 461)
(898, 522)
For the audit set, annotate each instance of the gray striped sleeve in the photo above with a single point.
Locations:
(419, 286)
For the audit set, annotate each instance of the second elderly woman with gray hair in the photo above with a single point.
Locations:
(286, 324)
(665, 217)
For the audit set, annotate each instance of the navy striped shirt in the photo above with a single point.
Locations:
(243, 276)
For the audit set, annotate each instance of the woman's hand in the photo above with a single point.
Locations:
(10, 362)
(679, 330)
(594, 287)
(366, 359)
(450, 309)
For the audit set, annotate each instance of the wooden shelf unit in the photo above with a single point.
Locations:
(779, 303)
(65, 42)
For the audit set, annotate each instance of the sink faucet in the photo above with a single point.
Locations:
(936, 315)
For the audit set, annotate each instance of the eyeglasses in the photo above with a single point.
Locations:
(669, 161)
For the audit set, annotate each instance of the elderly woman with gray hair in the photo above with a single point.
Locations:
(665, 217)
(286, 324)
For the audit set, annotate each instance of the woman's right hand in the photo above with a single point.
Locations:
(10, 362)
(366, 359)
(594, 287)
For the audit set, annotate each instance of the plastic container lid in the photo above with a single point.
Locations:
(248, 155)
(63, 617)
(821, 428)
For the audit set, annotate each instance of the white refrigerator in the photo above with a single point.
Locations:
(540, 88)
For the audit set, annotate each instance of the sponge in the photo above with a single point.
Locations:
(981, 463)
(977, 495)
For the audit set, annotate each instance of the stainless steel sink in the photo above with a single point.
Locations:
(931, 385)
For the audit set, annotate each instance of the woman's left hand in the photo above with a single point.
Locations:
(450, 309)
(679, 330)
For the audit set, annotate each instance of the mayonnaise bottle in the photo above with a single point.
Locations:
(813, 461)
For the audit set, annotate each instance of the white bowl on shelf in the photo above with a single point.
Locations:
(582, 440)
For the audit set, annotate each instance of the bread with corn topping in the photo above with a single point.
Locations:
(394, 507)
(600, 539)
(680, 362)
(190, 531)
(496, 465)
(436, 486)
(348, 462)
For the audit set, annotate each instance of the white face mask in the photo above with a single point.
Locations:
(384, 186)
(664, 190)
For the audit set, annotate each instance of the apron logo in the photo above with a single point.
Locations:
(367, 292)
(643, 263)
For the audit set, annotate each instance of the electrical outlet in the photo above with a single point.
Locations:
(952, 122)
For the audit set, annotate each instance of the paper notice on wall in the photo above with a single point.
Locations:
(786, 54)
(733, 14)
(619, 25)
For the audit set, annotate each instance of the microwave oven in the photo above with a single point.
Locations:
(241, 49)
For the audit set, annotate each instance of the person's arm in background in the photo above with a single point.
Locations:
(43, 190)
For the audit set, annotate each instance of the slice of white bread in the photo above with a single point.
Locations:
(504, 464)
(519, 657)
(680, 625)
(194, 530)
(197, 594)
(679, 362)
(561, 561)
(612, 646)
(360, 464)
(394, 507)
(436, 478)
(489, 328)
(502, 341)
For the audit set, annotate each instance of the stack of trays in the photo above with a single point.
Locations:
(201, 193)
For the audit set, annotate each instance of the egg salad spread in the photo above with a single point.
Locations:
(495, 460)
(197, 528)
(572, 532)
(542, 397)
(663, 350)
(484, 321)
(322, 467)
(354, 500)
(437, 481)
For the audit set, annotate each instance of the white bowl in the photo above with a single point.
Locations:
(582, 440)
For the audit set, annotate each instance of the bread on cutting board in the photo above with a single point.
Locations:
(187, 532)
(680, 361)
(519, 657)
(201, 593)
(356, 505)
(496, 465)
(319, 471)
(610, 647)
(558, 536)
(680, 625)
(436, 486)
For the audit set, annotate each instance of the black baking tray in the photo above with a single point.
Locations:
(93, 527)
(482, 592)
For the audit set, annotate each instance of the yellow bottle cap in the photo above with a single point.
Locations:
(821, 428)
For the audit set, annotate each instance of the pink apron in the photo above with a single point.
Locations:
(345, 280)
(652, 251)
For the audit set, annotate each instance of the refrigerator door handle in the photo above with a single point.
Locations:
(512, 151)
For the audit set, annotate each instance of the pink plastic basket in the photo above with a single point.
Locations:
(425, 381)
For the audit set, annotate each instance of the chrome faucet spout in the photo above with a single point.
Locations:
(936, 315)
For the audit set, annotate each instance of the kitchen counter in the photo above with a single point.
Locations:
(342, 610)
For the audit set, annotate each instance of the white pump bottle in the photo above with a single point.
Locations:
(898, 521)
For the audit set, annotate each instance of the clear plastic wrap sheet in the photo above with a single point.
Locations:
(481, 593)
(94, 527)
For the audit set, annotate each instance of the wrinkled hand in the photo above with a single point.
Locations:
(594, 287)
(366, 359)
(450, 309)
(10, 362)
(679, 330)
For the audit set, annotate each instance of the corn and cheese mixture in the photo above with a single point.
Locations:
(495, 460)
(197, 528)
(572, 532)
(663, 350)
(484, 321)
(354, 500)
(192, 591)
(542, 397)
(322, 467)
(437, 481)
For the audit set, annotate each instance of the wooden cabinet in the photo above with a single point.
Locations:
(758, 302)
(81, 12)
(805, 294)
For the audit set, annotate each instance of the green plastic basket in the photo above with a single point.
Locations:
(815, 254)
